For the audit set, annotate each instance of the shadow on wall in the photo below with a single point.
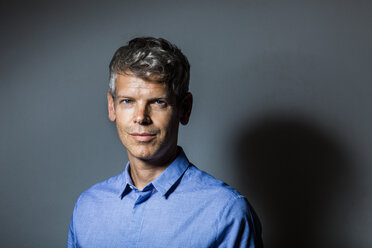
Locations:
(296, 175)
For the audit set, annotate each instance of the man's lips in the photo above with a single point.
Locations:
(144, 137)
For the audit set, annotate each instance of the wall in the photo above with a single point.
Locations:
(282, 110)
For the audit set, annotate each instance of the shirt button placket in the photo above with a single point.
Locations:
(138, 215)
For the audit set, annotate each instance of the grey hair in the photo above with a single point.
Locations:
(152, 59)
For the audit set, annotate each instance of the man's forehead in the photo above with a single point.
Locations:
(147, 76)
(134, 81)
(130, 84)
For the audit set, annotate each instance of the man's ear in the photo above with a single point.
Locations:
(185, 108)
(111, 107)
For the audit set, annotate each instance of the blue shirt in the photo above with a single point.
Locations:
(182, 207)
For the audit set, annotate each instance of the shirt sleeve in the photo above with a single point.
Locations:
(71, 236)
(239, 226)
(71, 239)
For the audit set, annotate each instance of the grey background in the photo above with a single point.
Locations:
(282, 110)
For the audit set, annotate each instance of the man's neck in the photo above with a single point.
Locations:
(143, 172)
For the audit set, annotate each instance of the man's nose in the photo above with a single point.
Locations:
(142, 115)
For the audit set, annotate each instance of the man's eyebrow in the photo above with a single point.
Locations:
(122, 96)
(160, 97)
(152, 98)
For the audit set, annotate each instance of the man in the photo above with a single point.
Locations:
(161, 199)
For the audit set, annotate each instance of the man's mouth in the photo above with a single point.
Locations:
(143, 137)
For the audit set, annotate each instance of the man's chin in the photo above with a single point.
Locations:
(151, 154)
(142, 154)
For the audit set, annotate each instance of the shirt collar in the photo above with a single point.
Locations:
(127, 182)
(166, 181)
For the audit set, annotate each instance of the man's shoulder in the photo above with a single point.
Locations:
(232, 210)
(211, 187)
(101, 191)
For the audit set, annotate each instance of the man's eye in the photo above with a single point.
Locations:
(126, 101)
(160, 102)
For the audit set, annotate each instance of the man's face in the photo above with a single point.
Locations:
(147, 118)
